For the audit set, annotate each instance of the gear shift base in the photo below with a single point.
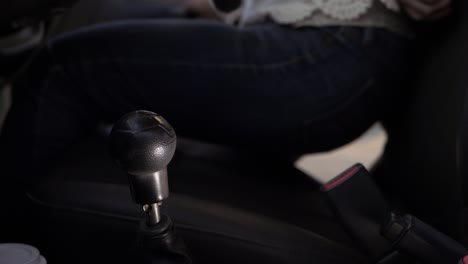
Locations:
(160, 244)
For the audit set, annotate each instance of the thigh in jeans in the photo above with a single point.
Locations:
(253, 88)
(366, 77)
(210, 80)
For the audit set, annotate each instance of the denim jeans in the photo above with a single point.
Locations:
(266, 87)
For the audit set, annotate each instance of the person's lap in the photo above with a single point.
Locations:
(266, 87)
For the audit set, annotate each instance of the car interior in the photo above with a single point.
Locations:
(220, 204)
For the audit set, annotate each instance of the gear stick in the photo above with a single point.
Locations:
(143, 143)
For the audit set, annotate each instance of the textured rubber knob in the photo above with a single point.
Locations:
(142, 143)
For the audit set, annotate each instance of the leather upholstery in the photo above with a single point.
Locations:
(421, 165)
(227, 213)
(214, 233)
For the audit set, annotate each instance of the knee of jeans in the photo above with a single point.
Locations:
(340, 127)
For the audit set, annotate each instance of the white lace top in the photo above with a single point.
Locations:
(379, 13)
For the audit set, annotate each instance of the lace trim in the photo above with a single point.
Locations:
(337, 9)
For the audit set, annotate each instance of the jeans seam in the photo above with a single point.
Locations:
(233, 66)
(342, 103)
(342, 40)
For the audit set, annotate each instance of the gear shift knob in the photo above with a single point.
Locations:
(143, 143)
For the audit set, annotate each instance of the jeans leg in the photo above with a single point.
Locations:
(252, 88)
